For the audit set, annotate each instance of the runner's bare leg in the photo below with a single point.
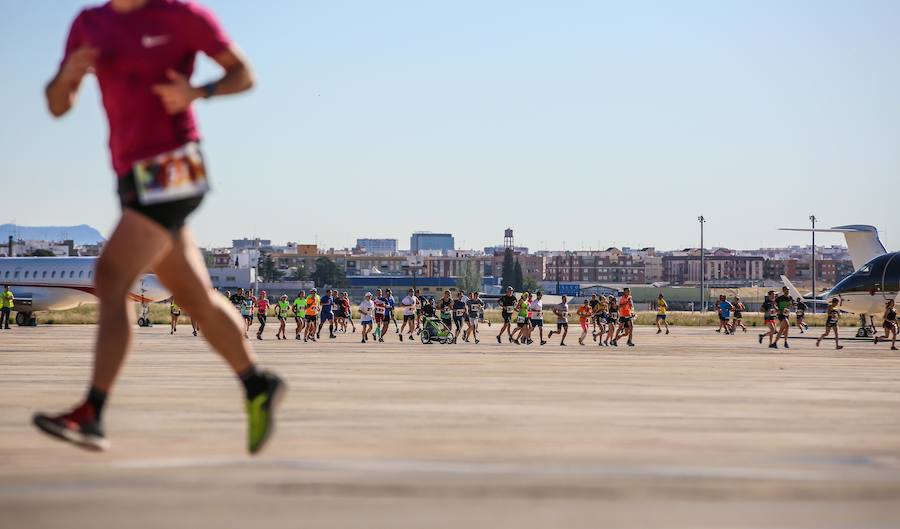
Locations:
(183, 271)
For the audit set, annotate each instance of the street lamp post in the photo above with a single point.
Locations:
(702, 266)
(812, 218)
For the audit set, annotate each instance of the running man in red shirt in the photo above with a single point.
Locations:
(142, 53)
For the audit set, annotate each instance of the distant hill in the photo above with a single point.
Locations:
(81, 234)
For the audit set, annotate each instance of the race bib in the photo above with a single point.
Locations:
(520, 319)
(508, 310)
(379, 310)
(460, 312)
(174, 175)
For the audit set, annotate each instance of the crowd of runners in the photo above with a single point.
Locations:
(450, 318)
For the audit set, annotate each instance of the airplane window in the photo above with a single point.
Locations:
(34, 274)
(80, 274)
(90, 274)
(16, 274)
(26, 274)
(865, 269)
(7, 274)
(44, 273)
(71, 274)
(53, 273)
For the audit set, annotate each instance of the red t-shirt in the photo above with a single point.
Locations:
(625, 306)
(262, 305)
(136, 49)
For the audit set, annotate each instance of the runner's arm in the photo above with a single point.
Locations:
(178, 93)
(62, 90)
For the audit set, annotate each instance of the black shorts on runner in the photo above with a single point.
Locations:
(507, 316)
(561, 324)
(660, 316)
(170, 215)
(626, 322)
(409, 317)
(782, 317)
(537, 323)
(310, 318)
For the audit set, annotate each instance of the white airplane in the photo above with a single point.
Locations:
(60, 283)
(875, 281)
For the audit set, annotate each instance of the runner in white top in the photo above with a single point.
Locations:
(366, 309)
(409, 313)
(536, 310)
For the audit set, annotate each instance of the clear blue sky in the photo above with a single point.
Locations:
(590, 122)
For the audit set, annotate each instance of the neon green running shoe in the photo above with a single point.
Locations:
(261, 413)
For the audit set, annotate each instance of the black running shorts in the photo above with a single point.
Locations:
(170, 215)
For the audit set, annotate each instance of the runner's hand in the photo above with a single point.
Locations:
(79, 63)
(178, 94)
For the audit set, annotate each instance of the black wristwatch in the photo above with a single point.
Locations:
(209, 89)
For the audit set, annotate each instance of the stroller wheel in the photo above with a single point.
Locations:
(425, 336)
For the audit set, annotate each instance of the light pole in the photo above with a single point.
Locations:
(702, 265)
(812, 218)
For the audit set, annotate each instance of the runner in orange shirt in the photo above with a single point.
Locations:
(312, 311)
(626, 317)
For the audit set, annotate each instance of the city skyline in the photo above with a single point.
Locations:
(619, 125)
(360, 243)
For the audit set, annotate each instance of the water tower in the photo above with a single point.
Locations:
(508, 238)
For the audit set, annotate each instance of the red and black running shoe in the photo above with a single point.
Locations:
(79, 427)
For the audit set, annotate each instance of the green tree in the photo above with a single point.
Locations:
(507, 272)
(470, 278)
(530, 284)
(266, 268)
(298, 274)
(328, 273)
(517, 277)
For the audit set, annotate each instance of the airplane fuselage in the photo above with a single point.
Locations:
(868, 289)
(60, 283)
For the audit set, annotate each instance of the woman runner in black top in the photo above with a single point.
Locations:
(890, 324)
(833, 315)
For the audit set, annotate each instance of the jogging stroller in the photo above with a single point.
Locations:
(433, 329)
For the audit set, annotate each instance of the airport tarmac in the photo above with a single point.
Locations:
(694, 429)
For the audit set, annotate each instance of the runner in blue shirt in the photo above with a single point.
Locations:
(327, 314)
(725, 308)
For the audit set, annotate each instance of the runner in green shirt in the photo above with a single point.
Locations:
(300, 313)
(282, 310)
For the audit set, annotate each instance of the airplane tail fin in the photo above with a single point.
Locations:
(792, 289)
(863, 243)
